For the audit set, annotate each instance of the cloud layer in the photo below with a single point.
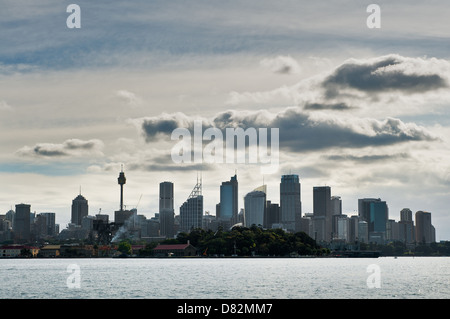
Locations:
(299, 131)
(69, 148)
(386, 74)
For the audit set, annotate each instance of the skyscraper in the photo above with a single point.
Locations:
(322, 210)
(290, 202)
(377, 223)
(406, 227)
(50, 223)
(254, 208)
(425, 232)
(272, 214)
(336, 211)
(378, 216)
(79, 209)
(166, 210)
(21, 226)
(364, 208)
(191, 212)
(229, 201)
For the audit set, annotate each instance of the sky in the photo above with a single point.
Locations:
(362, 110)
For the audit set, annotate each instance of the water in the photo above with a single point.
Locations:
(278, 278)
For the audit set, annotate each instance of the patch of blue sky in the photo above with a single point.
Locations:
(47, 169)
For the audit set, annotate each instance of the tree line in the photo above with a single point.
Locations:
(245, 241)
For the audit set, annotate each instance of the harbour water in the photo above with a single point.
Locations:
(224, 278)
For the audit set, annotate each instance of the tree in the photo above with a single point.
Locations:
(124, 247)
(25, 252)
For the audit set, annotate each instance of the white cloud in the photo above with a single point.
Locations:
(5, 106)
(281, 64)
(130, 98)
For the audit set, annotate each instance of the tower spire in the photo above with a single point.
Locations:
(122, 180)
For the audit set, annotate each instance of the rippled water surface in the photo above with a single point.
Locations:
(283, 278)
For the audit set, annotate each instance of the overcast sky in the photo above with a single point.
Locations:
(365, 111)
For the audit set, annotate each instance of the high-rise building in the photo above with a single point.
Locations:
(22, 225)
(363, 231)
(254, 208)
(290, 202)
(79, 209)
(336, 211)
(50, 219)
(322, 209)
(353, 229)
(336, 205)
(379, 216)
(364, 208)
(229, 208)
(166, 209)
(342, 223)
(272, 214)
(191, 211)
(425, 232)
(377, 223)
(406, 227)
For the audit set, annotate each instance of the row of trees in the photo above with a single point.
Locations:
(243, 241)
(400, 249)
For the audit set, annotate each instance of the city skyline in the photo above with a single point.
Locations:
(363, 110)
(326, 224)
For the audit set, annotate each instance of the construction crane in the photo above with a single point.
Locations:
(138, 202)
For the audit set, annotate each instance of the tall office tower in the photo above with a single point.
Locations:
(406, 215)
(50, 223)
(336, 205)
(377, 223)
(343, 225)
(425, 232)
(392, 230)
(290, 203)
(166, 210)
(336, 211)
(229, 208)
(191, 212)
(79, 209)
(363, 231)
(10, 216)
(21, 226)
(353, 229)
(379, 216)
(254, 208)
(364, 208)
(406, 227)
(322, 210)
(272, 214)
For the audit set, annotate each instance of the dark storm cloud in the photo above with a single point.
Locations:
(389, 73)
(153, 127)
(299, 132)
(325, 106)
(71, 147)
(368, 158)
(42, 150)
